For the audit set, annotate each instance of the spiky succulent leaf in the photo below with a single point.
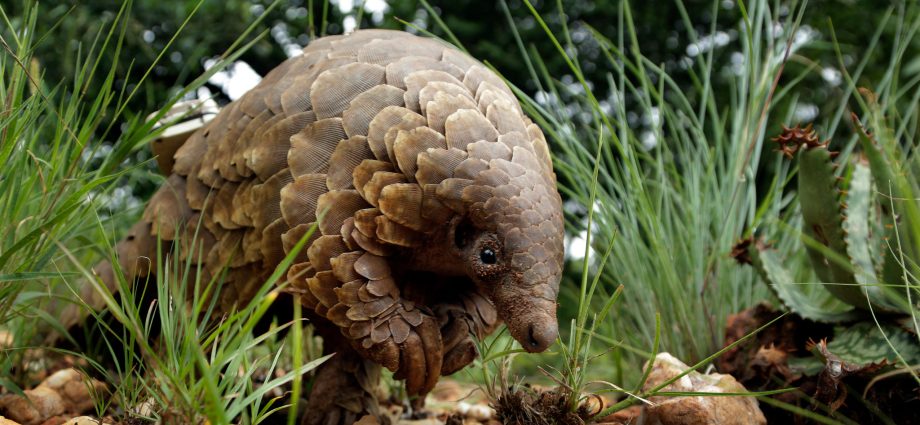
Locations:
(885, 171)
(811, 301)
(859, 196)
(894, 245)
(859, 238)
(864, 343)
(823, 223)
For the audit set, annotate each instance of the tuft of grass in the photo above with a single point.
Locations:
(173, 360)
(177, 356)
(667, 200)
(48, 184)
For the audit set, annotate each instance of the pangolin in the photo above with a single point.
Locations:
(433, 196)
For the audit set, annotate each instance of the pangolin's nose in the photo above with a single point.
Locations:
(540, 336)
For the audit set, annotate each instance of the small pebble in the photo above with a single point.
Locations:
(83, 420)
(474, 411)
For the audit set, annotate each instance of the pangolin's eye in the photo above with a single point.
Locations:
(487, 256)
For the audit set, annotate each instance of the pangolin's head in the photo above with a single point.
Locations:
(511, 241)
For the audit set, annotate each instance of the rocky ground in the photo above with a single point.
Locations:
(56, 391)
(66, 396)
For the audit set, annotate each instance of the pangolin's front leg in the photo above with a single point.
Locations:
(466, 318)
(356, 291)
(464, 315)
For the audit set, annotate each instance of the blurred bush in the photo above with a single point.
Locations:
(482, 26)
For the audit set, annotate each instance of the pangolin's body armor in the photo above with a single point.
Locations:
(381, 139)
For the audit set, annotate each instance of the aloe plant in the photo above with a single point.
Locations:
(857, 242)
(858, 236)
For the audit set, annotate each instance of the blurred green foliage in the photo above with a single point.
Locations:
(662, 34)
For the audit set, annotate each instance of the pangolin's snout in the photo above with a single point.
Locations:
(540, 335)
(532, 321)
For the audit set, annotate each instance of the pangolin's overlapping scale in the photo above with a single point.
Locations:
(236, 165)
(293, 235)
(232, 142)
(268, 153)
(365, 171)
(313, 146)
(136, 254)
(271, 80)
(222, 206)
(334, 89)
(389, 119)
(398, 70)
(225, 130)
(418, 80)
(196, 192)
(252, 247)
(433, 88)
(363, 37)
(486, 310)
(445, 105)
(280, 78)
(334, 207)
(346, 232)
(228, 251)
(370, 243)
(195, 241)
(505, 118)
(270, 245)
(468, 126)
(378, 181)
(436, 165)
(363, 108)
(188, 156)
(365, 221)
(459, 59)
(347, 156)
(384, 52)
(477, 75)
(168, 210)
(296, 96)
(433, 209)
(541, 149)
(323, 249)
(343, 268)
(266, 199)
(488, 151)
(402, 203)
(298, 198)
(515, 138)
(391, 232)
(409, 144)
(241, 205)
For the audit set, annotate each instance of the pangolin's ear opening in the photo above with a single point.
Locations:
(464, 233)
